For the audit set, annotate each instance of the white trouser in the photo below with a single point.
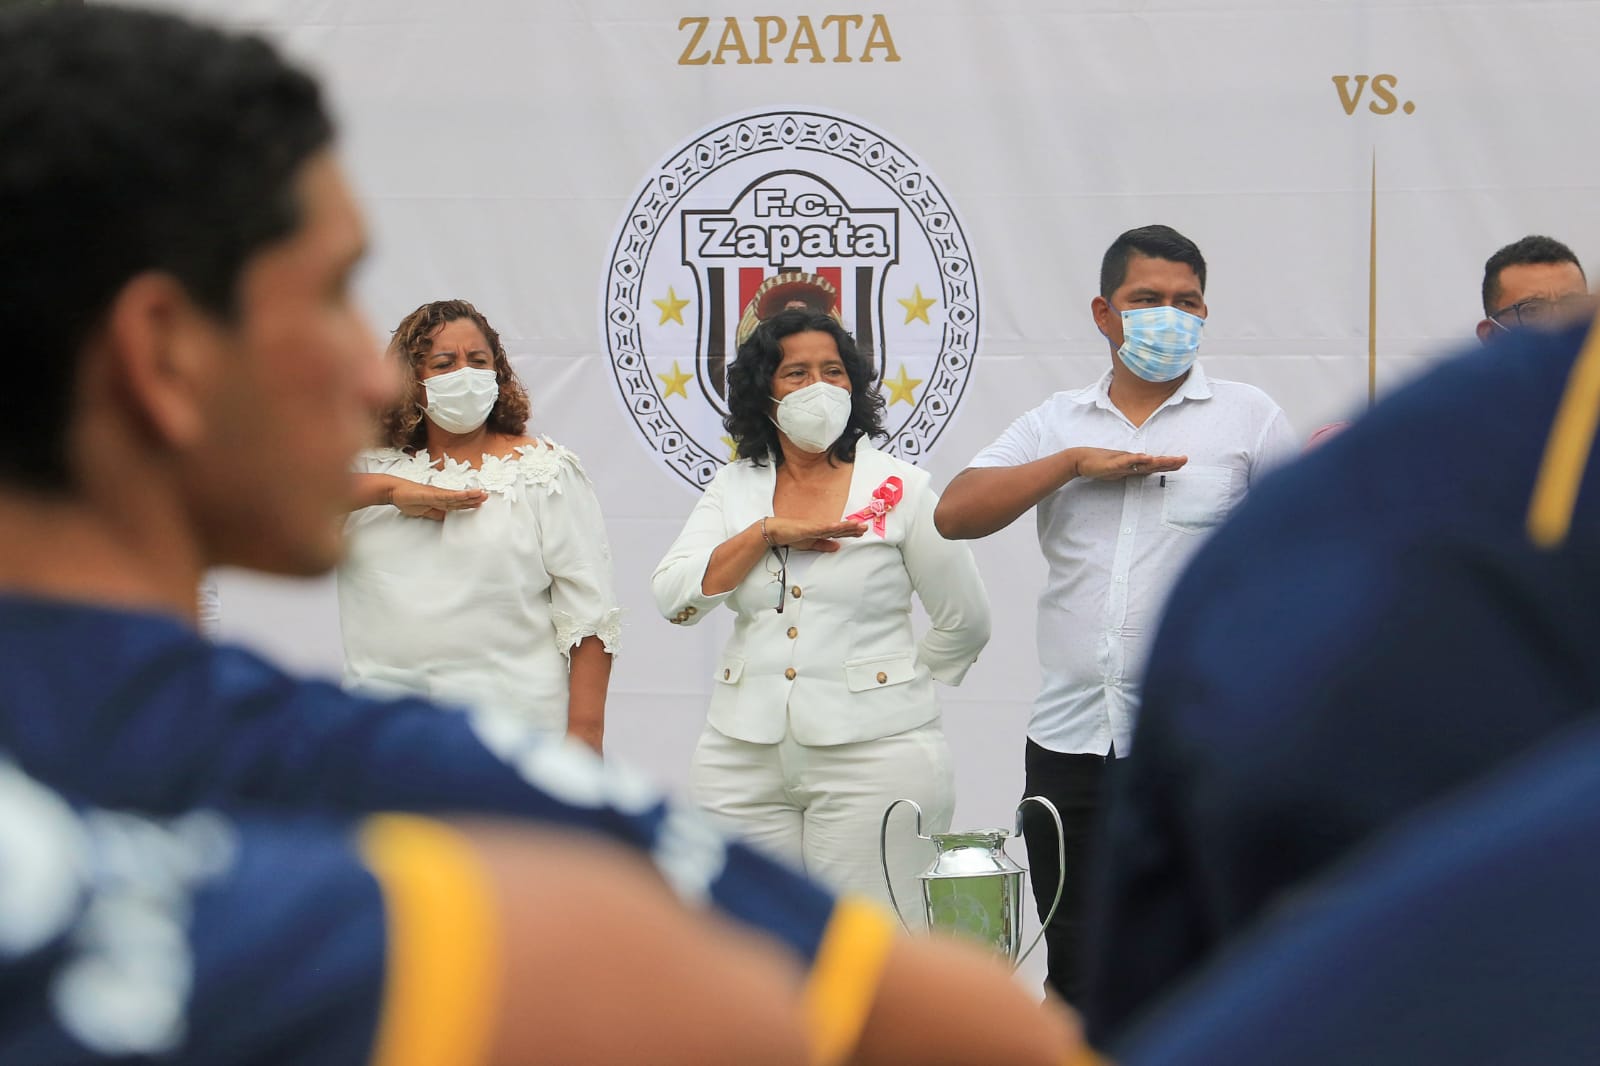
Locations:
(819, 808)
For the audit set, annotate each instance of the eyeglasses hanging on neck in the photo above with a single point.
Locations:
(780, 557)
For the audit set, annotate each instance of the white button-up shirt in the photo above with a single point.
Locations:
(1115, 548)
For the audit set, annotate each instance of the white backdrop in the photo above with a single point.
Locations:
(500, 145)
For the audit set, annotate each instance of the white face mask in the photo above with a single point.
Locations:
(460, 401)
(815, 416)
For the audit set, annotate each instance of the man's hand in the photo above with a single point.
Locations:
(986, 499)
(810, 536)
(1108, 464)
(426, 501)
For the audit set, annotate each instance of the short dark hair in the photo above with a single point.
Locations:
(403, 424)
(1154, 242)
(750, 388)
(1533, 248)
(130, 141)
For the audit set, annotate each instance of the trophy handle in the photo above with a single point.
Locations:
(883, 853)
(1061, 854)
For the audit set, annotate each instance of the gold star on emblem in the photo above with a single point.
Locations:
(917, 306)
(902, 387)
(733, 449)
(672, 384)
(672, 308)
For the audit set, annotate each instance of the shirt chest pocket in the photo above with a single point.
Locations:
(1195, 498)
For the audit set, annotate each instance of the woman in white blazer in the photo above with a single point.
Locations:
(823, 708)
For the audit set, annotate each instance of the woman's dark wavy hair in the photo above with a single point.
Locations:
(404, 425)
(750, 389)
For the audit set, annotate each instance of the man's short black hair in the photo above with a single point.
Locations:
(130, 141)
(1531, 249)
(1154, 242)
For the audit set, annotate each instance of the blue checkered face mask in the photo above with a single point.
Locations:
(1159, 343)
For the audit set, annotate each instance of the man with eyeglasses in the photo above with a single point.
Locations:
(1535, 281)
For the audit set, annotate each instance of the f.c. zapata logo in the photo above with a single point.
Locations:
(768, 211)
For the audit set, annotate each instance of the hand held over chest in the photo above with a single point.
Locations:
(804, 534)
(1109, 464)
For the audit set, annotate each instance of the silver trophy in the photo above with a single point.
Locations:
(973, 889)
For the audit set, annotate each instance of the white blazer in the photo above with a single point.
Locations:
(840, 664)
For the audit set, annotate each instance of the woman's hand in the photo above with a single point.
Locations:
(735, 557)
(810, 536)
(426, 501)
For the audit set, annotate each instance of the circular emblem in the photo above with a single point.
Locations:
(774, 210)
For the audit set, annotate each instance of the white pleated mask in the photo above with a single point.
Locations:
(460, 401)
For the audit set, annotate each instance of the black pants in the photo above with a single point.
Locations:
(1072, 783)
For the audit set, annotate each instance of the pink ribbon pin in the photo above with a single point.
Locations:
(884, 497)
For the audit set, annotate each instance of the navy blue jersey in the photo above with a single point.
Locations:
(1466, 936)
(137, 712)
(195, 940)
(1372, 628)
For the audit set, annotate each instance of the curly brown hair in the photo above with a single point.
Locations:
(404, 424)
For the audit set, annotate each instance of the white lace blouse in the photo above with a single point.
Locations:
(482, 608)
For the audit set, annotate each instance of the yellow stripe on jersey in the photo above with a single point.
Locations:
(844, 978)
(1085, 1056)
(1566, 453)
(442, 986)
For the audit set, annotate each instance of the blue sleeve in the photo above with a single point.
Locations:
(196, 941)
(169, 722)
(206, 940)
(353, 756)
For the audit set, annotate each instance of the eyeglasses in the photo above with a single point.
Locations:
(1541, 311)
(781, 557)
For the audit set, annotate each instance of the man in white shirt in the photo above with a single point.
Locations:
(1128, 473)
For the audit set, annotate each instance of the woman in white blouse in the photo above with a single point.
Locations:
(506, 599)
(823, 709)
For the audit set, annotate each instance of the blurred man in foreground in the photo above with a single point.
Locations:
(192, 381)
